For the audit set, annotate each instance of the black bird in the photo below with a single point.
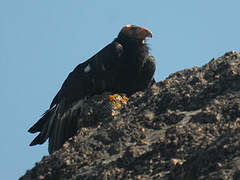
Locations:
(123, 66)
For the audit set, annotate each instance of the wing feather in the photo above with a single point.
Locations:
(59, 123)
(80, 83)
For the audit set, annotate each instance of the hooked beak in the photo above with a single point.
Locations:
(144, 32)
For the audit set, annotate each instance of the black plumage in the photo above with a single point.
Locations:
(123, 66)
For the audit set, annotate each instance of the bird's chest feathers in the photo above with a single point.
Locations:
(133, 63)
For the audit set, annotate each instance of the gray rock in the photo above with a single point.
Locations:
(186, 127)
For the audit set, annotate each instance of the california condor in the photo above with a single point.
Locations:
(123, 66)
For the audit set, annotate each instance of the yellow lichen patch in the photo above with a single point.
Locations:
(117, 100)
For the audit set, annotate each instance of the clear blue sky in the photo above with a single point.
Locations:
(42, 41)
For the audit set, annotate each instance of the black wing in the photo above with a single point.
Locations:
(91, 77)
(94, 76)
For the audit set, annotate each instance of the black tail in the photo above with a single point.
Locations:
(58, 124)
(44, 126)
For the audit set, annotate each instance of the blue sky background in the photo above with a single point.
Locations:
(42, 41)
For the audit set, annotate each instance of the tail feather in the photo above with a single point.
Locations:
(44, 126)
(38, 126)
(58, 124)
(40, 139)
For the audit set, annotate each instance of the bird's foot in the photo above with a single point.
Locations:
(117, 100)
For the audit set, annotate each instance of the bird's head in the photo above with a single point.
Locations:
(135, 32)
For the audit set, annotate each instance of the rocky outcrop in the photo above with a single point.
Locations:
(186, 127)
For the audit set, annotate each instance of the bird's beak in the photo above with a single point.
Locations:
(144, 32)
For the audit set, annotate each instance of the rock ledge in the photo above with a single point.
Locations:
(185, 127)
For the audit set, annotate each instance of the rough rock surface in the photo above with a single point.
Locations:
(186, 127)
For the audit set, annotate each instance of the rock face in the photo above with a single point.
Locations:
(186, 127)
